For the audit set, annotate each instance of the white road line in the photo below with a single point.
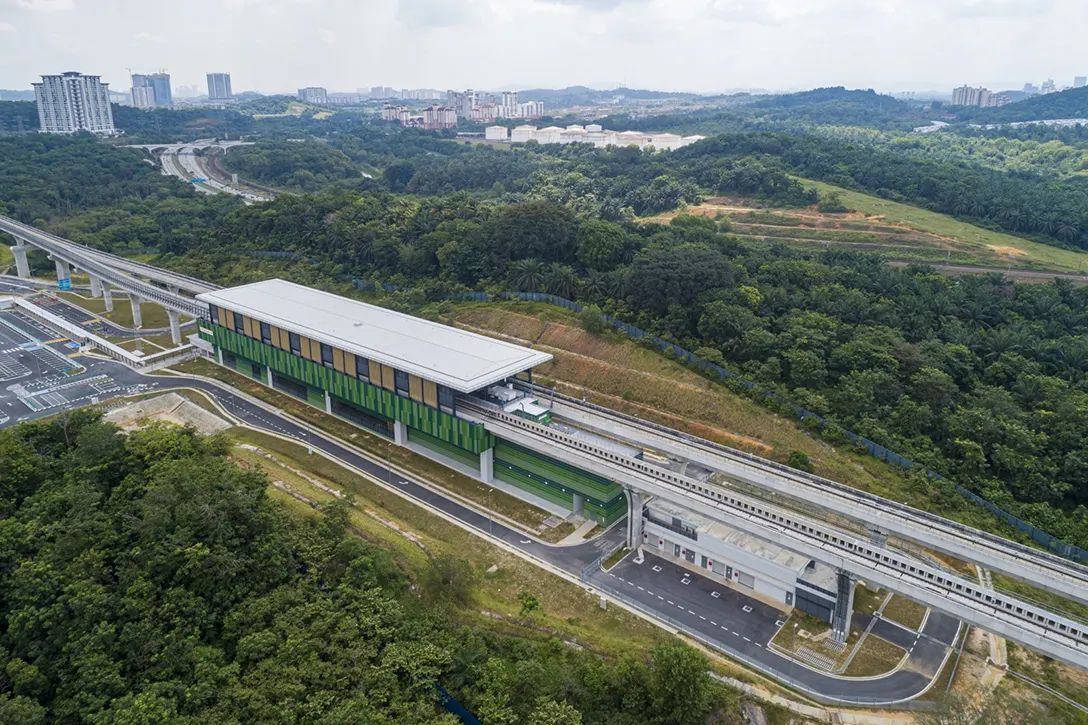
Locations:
(702, 617)
(714, 623)
(747, 640)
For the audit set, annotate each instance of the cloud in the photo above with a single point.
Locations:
(148, 37)
(1000, 8)
(327, 36)
(7, 28)
(46, 6)
(431, 13)
(599, 5)
(744, 11)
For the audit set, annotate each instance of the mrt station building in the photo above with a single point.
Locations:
(397, 376)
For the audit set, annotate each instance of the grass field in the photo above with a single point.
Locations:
(154, 316)
(990, 247)
(501, 503)
(905, 611)
(568, 613)
(7, 259)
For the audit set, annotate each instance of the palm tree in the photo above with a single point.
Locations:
(1068, 231)
(527, 275)
(595, 284)
(560, 280)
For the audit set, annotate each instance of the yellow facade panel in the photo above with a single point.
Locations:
(223, 318)
(247, 327)
(415, 388)
(338, 360)
(388, 379)
(349, 364)
(430, 393)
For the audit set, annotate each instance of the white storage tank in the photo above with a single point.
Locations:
(495, 133)
(521, 134)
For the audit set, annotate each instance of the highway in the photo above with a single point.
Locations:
(183, 161)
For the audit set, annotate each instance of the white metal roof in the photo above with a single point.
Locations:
(446, 355)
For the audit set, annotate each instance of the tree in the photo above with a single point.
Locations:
(561, 281)
(663, 277)
(592, 320)
(527, 275)
(601, 245)
(550, 712)
(680, 686)
(398, 175)
(449, 581)
(800, 461)
(529, 603)
(536, 229)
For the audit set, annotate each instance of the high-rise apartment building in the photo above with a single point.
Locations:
(73, 102)
(313, 94)
(152, 90)
(219, 87)
(968, 96)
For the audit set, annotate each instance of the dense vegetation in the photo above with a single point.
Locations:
(1072, 103)
(913, 361)
(144, 579)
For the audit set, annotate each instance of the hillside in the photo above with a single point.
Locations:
(1067, 104)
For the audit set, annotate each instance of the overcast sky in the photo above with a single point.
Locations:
(693, 45)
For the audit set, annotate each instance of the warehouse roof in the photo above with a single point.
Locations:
(446, 355)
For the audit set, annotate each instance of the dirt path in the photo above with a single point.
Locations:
(1013, 272)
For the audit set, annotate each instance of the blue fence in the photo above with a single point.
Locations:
(1051, 543)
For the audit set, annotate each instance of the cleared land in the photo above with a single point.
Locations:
(905, 611)
(892, 229)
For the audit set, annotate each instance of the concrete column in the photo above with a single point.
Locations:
(137, 313)
(635, 501)
(328, 403)
(63, 270)
(400, 433)
(219, 352)
(487, 465)
(107, 295)
(22, 266)
(268, 372)
(877, 537)
(173, 289)
(96, 286)
(579, 508)
(844, 607)
(175, 326)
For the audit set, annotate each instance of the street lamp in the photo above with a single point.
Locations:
(489, 520)
(389, 463)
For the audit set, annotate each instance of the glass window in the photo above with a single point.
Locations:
(400, 381)
(445, 399)
(214, 312)
(362, 368)
(296, 343)
(326, 355)
(239, 326)
(266, 333)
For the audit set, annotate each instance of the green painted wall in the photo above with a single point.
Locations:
(443, 426)
(558, 481)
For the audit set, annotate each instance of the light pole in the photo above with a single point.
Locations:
(489, 520)
(389, 463)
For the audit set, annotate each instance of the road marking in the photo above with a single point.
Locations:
(641, 589)
(746, 609)
(736, 634)
(716, 595)
(671, 601)
(747, 640)
(714, 623)
(702, 617)
(661, 597)
(685, 581)
(758, 644)
(657, 568)
(691, 612)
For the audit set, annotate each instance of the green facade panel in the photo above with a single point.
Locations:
(558, 482)
(443, 426)
(446, 449)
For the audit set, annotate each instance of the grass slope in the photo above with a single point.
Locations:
(620, 374)
(992, 248)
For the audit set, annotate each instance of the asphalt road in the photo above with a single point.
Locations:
(720, 619)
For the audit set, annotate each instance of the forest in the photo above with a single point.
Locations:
(974, 377)
(121, 605)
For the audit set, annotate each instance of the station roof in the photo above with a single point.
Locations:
(461, 360)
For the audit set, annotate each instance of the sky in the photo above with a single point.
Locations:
(701, 46)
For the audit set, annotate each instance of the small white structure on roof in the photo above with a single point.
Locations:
(496, 133)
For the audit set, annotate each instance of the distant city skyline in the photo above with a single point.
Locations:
(705, 46)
